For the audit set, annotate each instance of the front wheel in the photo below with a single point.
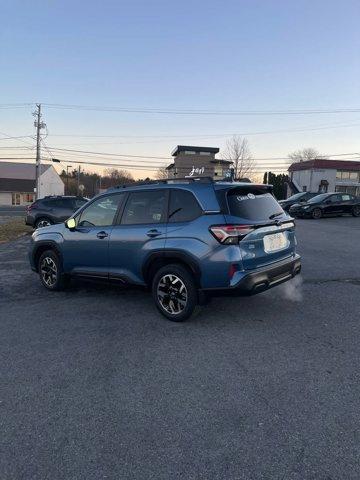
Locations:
(174, 292)
(316, 213)
(50, 271)
(356, 211)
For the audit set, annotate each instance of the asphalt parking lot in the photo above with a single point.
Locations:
(96, 385)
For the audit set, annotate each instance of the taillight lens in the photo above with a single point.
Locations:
(230, 234)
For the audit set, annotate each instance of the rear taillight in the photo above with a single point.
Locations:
(230, 234)
(30, 207)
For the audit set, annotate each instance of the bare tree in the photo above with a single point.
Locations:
(113, 177)
(161, 173)
(238, 152)
(304, 154)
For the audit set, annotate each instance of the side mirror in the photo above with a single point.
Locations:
(302, 200)
(70, 224)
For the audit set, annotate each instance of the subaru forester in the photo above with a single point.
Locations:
(185, 239)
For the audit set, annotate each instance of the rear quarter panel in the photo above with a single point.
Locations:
(195, 240)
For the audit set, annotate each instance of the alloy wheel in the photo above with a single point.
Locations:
(48, 269)
(43, 223)
(356, 211)
(316, 213)
(172, 294)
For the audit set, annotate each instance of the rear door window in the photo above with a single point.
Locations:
(183, 206)
(145, 207)
(253, 205)
(345, 198)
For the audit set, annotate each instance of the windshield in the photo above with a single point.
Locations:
(318, 198)
(296, 196)
(255, 205)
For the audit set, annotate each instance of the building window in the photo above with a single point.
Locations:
(348, 189)
(28, 197)
(304, 188)
(16, 199)
(218, 171)
(189, 152)
(347, 175)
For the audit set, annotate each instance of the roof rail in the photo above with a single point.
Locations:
(166, 181)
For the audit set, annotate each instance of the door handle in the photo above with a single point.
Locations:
(102, 235)
(153, 233)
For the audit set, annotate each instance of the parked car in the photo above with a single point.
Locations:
(186, 239)
(52, 209)
(297, 198)
(327, 204)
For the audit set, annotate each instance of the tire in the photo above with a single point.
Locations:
(50, 271)
(174, 292)
(356, 211)
(316, 213)
(43, 222)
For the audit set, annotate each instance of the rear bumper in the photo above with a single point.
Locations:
(263, 278)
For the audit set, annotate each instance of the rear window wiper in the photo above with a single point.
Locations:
(277, 214)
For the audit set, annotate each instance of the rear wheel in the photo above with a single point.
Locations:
(174, 292)
(316, 213)
(50, 271)
(42, 222)
(356, 210)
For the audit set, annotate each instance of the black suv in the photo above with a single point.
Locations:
(53, 209)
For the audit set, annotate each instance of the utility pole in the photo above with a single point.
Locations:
(38, 125)
(67, 179)
(78, 182)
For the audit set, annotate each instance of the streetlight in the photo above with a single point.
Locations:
(56, 160)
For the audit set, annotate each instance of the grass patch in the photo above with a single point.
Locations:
(13, 229)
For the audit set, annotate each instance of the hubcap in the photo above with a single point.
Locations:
(317, 214)
(48, 270)
(172, 294)
(43, 223)
(357, 211)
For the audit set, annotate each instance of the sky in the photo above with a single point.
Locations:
(243, 55)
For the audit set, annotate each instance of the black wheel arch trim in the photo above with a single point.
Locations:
(51, 244)
(183, 257)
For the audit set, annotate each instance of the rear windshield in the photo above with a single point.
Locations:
(254, 205)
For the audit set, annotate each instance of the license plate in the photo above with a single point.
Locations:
(275, 242)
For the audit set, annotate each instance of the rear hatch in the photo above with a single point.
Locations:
(266, 234)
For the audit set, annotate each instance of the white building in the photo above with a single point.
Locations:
(323, 176)
(17, 183)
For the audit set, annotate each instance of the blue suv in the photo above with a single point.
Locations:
(185, 239)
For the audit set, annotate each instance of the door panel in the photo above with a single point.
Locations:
(129, 247)
(332, 206)
(86, 249)
(141, 232)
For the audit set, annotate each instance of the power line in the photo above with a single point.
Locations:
(217, 135)
(87, 152)
(166, 111)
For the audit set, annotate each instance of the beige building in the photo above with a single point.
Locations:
(190, 161)
(17, 183)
